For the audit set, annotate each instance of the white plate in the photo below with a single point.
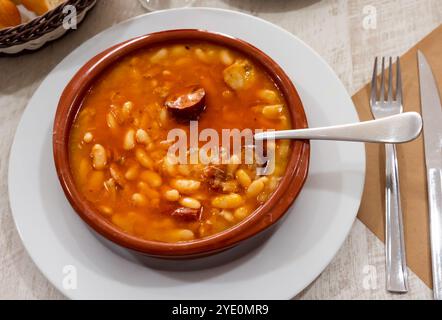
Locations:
(294, 256)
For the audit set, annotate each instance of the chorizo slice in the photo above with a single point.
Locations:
(187, 103)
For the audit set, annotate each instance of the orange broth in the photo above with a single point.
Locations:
(118, 142)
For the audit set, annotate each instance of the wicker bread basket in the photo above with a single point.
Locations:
(35, 33)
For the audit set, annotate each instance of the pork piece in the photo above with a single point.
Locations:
(215, 176)
(187, 103)
(187, 214)
(239, 75)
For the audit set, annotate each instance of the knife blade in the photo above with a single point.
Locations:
(432, 117)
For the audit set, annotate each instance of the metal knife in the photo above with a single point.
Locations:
(432, 116)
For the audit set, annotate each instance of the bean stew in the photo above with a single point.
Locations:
(119, 147)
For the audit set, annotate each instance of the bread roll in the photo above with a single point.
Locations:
(40, 7)
(9, 14)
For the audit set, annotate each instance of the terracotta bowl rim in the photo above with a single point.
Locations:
(262, 218)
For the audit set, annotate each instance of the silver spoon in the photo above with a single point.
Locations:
(399, 128)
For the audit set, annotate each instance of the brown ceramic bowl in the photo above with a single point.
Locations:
(262, 219)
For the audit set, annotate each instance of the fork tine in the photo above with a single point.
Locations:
(373, 82)
(398, 81)
(390, 80)
(382, 89)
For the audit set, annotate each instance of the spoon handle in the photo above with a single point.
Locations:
(399, 128)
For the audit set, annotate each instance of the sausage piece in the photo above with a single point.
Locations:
(187, 214)
(215, 175)
(187, 103)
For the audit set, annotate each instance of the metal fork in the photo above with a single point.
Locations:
(384, 104)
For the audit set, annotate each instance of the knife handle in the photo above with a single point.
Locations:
(396, 273)
(434, 176)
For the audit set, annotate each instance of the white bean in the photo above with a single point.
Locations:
(241, 213)
(185, 234)
(269, 96)
(263, 179)
(129, 140)
(201, 55)
(88, 137)
(233, 164)
(143, 158)
(283, 149)
(138, 199)
(142, 136)
(229, 201)
(152, 178)
(169, 164)
(159, 55)
(186, 185)
(106, 210)
(226, 57)
(243, 178)
(255, 188)
(83, 170)
(190, 203)
(148, 191)
(99, 157)
(127, 109)
(163, 116)
(227, 215)
(230, 186)
(96, 181)
(132, 173)
(179, 50)
(172, 195)
(273, 111)
(111, 121)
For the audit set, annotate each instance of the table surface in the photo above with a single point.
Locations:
(336, 29)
